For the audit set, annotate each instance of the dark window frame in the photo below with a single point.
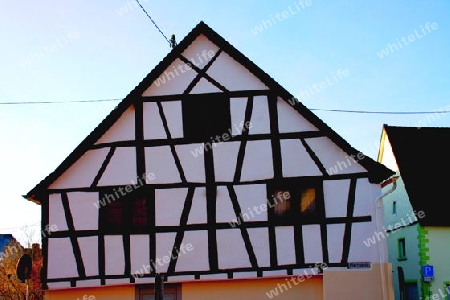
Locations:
(125, 204)
(149, 289)
(206, 116)
(295, 188)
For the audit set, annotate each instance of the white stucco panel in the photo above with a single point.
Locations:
(121, 169)
(359, 251)
(153, 124)
(224, 207)
(260, 121)
(312, 243)
(225, 158)
(169, 205)
(164, 246)
(84, 213)
(285, 245)
(249, 197)
(259, 237)
(231, 249)
(203, 86)
(200, 51)
(161, 162)
(89, 254)
(333, 158)
(289, 120)
(122, 130)
(140, 254)
(83, 171)
(237, 111)
(198, 213)
(56, 216)
(335, 237)
(296, 161)
(233, 76)
(173, 80)
(336, 193)
(114, 255)
(365, 196)
(257, 161)
(193, 254)
(61, 260)
(192, 161)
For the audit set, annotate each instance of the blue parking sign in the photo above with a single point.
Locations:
(427, 271)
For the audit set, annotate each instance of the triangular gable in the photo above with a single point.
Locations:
(206, 73)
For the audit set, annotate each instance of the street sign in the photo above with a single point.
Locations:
(428, 273)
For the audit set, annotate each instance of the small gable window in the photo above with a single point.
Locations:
(205, 117)
(124, 214)
(294, 200)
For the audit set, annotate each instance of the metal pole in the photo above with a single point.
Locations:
(26, 296)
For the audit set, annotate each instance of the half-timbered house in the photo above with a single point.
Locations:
(212, 175)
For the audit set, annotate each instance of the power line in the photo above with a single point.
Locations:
(57, 102)
(153, 22)
(316, 109)
(381, 112)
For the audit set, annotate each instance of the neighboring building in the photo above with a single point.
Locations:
(214, 176)
(5, 239)
(416, 221)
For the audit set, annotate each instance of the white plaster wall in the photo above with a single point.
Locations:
(312, 243)
(260, 121)
(289, 120)
(332, 156)
(335, 238)
(285, 245)
(198, 213)
(365, 197)
(203, 86)
(153, 125)
(121, 169)
(169, 205)
(225, 159)
(122, 130)
(83, 171)
(237, 111)
(140, 253)
(257, 161)
(174, 117)
(250, 196)
(160, 161)
(233, 76)
(336, 193)
(195, 259)
(61, 260)
(259, 237)
(200, 51)
(84, 213)
(359, 252)
(172, 80)
(56, 218)
(296, 161)
(89, 254)
(193, 166)
(224, 207)
(231, 249)
(164, 246)
(114, 255)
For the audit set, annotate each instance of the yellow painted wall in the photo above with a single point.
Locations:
(254, 289)
(101, 293)
(359, 284)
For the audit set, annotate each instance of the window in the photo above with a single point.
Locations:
(401, 249)
(205, 117)
(293, 200)
(128, 213)
(447, 289)
(394, 207)
(171, 292)
(411, 290)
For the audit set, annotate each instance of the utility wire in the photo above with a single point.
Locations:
(153, 22)
(316, 109)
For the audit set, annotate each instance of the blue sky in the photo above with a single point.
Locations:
(80, 50)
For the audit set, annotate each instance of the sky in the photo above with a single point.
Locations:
(372, 56)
